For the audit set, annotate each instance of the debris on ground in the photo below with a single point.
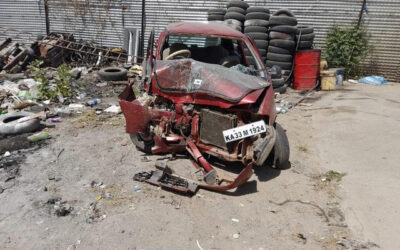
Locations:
(58, 207)
(374, 80)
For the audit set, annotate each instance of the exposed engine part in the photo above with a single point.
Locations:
(212, 123)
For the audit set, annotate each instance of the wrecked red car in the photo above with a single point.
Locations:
(199, 94)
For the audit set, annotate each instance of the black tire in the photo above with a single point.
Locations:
(142, 144)
(257, 15)
(284, 12)
(252, 29)
(237, 9)
(279, 57)
(305, 30)
(280, 35)
(262, 52)
(281, 89)
(239, 4)
(8, 127)
(234, 15)
(282, 20)
(256, 22)
(257, 9)
(283, 65)
(284, 29)
(112, 74)
(273, 49)
(233, 22)
(258, 35)
(305, 45)
(281, 43)
(250, 60)
(217, 11)
(215, 18)
(281, 148)
(306, 37)
(276, 83)
(261, 44)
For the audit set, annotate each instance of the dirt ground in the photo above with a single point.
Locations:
(76, 191)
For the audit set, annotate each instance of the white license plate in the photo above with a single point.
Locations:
(244, 131)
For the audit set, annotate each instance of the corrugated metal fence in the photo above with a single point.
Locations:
(104, 21)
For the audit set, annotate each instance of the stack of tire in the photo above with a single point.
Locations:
(256, 27)
(236, 14)
(282, 45)
(216, 14)
(305, 37)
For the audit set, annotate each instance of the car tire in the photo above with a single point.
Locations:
(279, 82)
(216, 11)
(234, 15)
(237, 9)
(305, 30)
(215, 18)
(282, 20)
(305, 44)
(261, 44)
(283, 65)
(279, 57)
(258, 35)
(306, 37)
(281, 43)
(113, 74)
(257, 9)
(250, 60)
(7, 127)
(277, 50)
(142, 144)
(281, 149)
(233, 22)
(257, 15)
(256, 22)
(284, 12)
(239, 4)
(284, 29)
(262, 52)
(280, 35)
(251, 29)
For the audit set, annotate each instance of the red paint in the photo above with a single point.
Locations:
(306, 69)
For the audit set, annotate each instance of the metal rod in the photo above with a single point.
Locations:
(361, 13)
(46, 16)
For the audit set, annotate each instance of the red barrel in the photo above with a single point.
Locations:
(306, 69)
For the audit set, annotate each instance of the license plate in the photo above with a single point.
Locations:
(244, 131)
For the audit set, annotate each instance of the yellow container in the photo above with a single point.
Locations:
(328, 79)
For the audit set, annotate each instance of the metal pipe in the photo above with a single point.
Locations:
(46, 16)
(143, 28)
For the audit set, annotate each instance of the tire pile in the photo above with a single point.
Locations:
(282, 45)
(256, 27)
(216, 14)
(305, 37)
(236, 14)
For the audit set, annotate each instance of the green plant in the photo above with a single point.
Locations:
(346, 47)
(48, 91)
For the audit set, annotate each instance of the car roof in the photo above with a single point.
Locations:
(203, 28)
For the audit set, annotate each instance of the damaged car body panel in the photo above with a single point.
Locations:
(203, 106)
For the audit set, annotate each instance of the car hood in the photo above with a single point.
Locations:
(190, 76)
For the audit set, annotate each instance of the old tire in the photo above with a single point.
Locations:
(284, 29)
(257, 15)
(261, 44)
(234, 15)
(237, 9)
(233, 22)
(281, 43)
(281, 149)
(112, 74)
(277, 50)
(251, 29)
(215, 18)
(7, 127)
(279, 57)
(305, 30)
(142, 143)
(258, 35)
(239, 4)
(283, 20)
(276, 83)
(216, 11)
(284, 12)
(280, 35)
(257, 9)
(256, 22)
(305, 44)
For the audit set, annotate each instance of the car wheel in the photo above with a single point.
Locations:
(281, 149)
(142, 142)
(113, 74)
